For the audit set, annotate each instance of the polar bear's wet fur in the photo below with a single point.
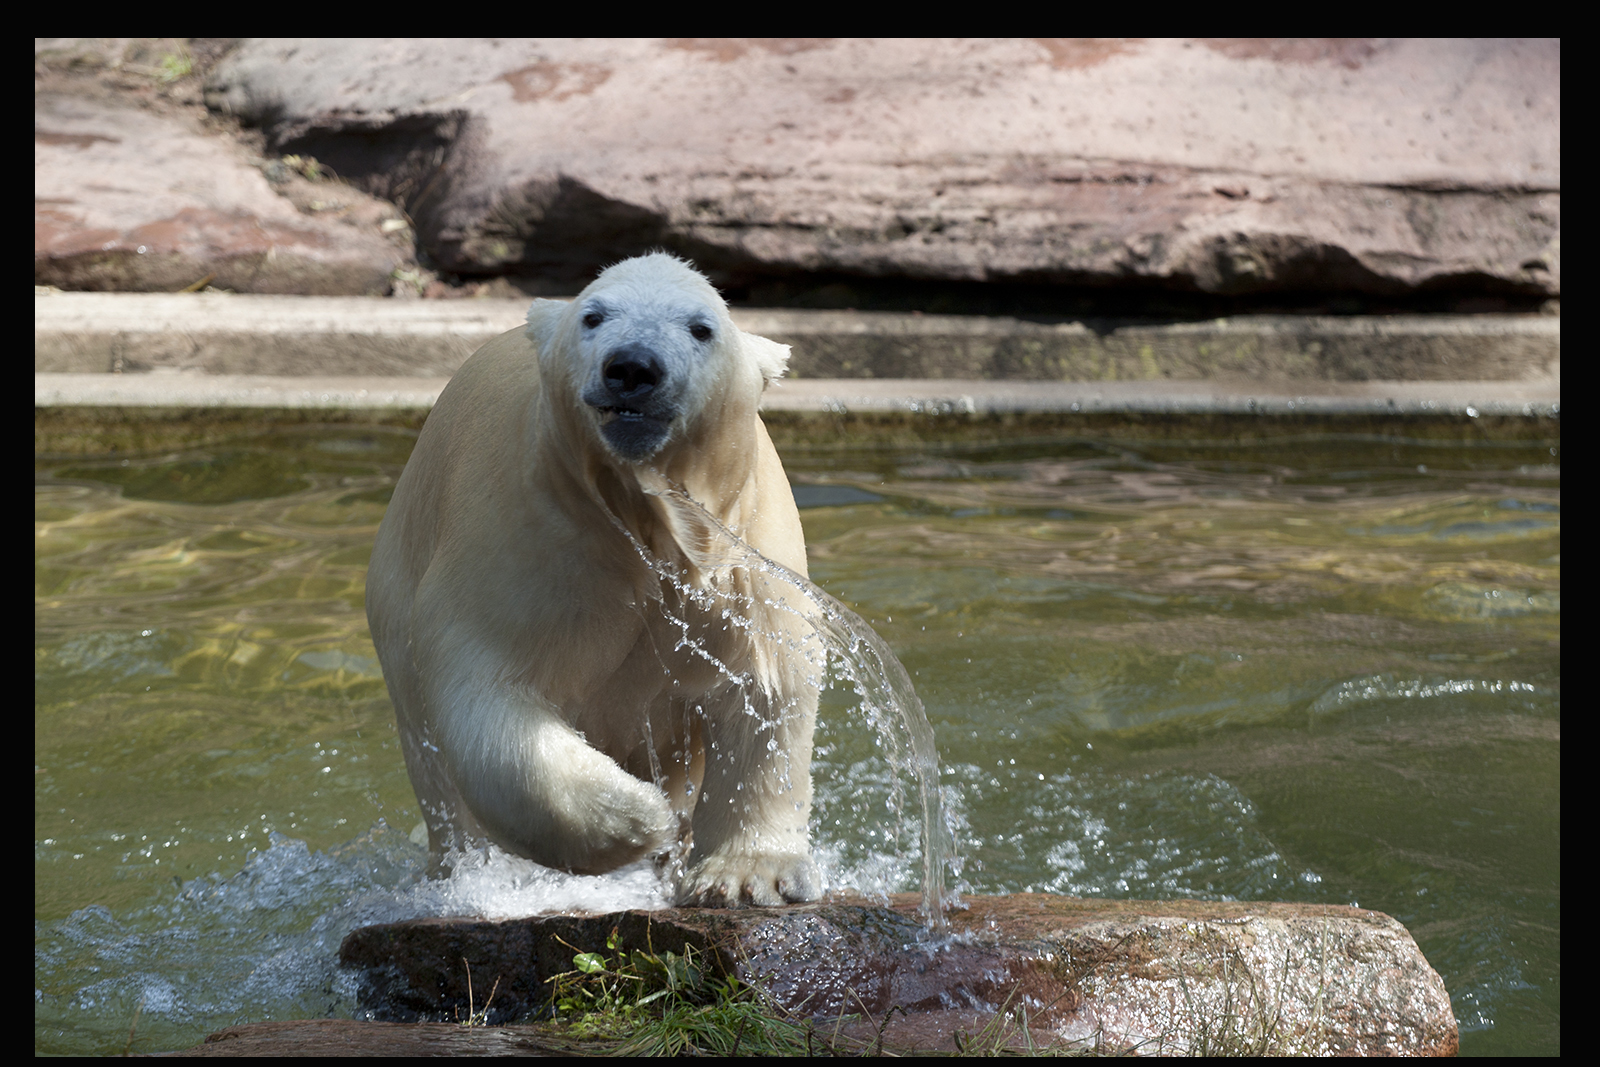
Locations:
(582, 671)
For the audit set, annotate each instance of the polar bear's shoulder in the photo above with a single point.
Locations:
(505, 370)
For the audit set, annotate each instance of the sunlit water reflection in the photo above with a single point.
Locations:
(1320, 670)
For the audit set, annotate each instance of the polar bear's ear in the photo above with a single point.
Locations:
(543, 317)
(770, 356)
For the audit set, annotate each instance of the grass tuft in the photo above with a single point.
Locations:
(674, 1005)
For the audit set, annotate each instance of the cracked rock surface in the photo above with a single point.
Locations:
(1144, 976)
(133, 191)
(1224, 166)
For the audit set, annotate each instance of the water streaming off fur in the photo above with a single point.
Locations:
(851, 653)
(1322, 670)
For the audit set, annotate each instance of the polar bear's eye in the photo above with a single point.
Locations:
(593, 319)
(700, 331)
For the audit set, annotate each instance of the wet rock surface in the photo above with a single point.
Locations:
(347, 1037)
(1117, 975)
(1225, 167)
(134, 192)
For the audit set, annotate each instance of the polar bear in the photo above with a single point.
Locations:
(588, 664)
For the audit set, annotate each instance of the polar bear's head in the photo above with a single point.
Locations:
(648, 348)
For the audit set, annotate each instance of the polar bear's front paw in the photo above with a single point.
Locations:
(617, 827)
(739, 879)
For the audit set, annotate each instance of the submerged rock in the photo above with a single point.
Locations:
(1186, 976)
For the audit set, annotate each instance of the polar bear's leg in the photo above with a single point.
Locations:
(449, 824)
(540, 790)
(751, 840)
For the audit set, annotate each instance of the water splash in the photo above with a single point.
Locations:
(493, 884)
(263, 943)
(850, 650)
(891, 706)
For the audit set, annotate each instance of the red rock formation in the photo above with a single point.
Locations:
(1217, 166)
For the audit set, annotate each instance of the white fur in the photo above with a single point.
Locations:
(555, 694)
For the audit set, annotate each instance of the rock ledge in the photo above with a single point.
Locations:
(1138, 976)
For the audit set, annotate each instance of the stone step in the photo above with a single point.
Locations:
(355, 337)
(846, 395)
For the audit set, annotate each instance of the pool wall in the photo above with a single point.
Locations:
(127, 371)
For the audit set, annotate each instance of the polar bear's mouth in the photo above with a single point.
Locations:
(609, 415)
(633, 434)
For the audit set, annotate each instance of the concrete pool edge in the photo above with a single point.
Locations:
(228, 334)
(104, 413)
(1541, 398)
(187, 360)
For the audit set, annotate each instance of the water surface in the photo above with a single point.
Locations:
(1323, 670)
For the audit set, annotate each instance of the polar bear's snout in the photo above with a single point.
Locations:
(631, 375)
(636, 400)
(649, 337)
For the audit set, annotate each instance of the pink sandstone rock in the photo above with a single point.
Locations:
(1225, 166)
(128, 199)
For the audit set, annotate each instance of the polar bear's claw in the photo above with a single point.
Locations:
(763, 881)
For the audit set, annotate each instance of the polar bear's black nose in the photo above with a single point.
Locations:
(632, 372)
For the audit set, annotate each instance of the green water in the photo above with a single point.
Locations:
(1322, 670)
